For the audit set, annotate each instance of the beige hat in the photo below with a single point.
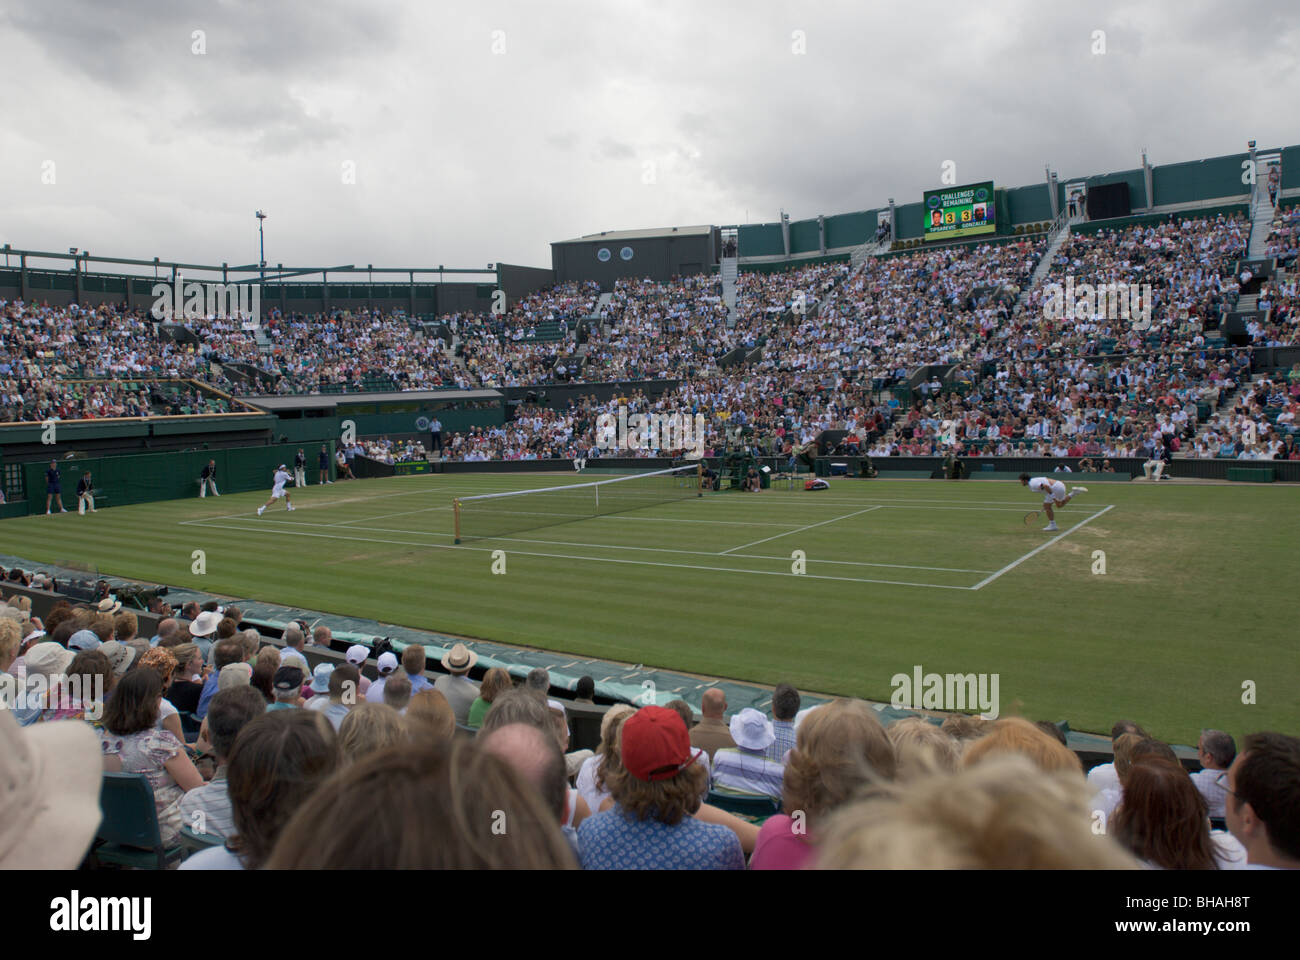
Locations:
(459, 659)
(234, 675)
(119, 655)
(108, 605)
(49, 793)
(49, 659)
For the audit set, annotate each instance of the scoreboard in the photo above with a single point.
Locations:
(954, 212)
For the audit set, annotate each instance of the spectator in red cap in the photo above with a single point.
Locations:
(660, 786)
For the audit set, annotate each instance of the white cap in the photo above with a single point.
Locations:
(357, 654)
(387, 662)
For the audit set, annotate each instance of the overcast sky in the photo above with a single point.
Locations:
(483, 130)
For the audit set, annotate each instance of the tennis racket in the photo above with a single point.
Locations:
(1031, 516)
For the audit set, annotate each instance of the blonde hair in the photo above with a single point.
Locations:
(841, 748)
(1002, 814)
(922, 747)
(1018, 735)
(1124, 753)
(620, 712)
(101, 625)
(368, 728)
(125, 625)
(611, 760)
(962, 727)
(184, 653)
(11, 638)
(429, 718)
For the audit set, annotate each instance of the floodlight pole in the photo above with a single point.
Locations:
(261, 247)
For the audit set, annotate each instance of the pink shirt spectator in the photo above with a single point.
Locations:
(779, 847)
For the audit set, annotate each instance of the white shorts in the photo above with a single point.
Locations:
(277, 493)
(1055, 492)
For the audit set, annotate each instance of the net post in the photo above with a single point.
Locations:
(456, 515)
(699, 478)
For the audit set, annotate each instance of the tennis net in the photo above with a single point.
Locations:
(501, 514)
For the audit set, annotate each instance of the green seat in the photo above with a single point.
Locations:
(755, 806)
(128, 834)
(192, 842)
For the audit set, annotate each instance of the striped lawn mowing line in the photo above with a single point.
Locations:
(566, 556)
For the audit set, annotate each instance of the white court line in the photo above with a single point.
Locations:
(568, 556)
(1037, 550)
(315, 504)
(613, 546)
(798, 530)
(730, 523)
(860, 563)
(781, 499)
(387, 516)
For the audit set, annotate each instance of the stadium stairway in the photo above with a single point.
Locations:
(263, 341)
(1044, 266)
(1261, 217)
(730, 271)
(1261, 221)
(864, 252)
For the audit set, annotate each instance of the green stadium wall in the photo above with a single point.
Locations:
(1198, 180)
(850, 229)
(145, 478)
(805, 238)
(760, 240)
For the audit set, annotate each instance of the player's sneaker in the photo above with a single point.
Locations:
(1050, 527)
(291, 508)
(261, 510)
(47, 513)
(1078, 490)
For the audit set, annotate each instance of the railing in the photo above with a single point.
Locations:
(1061, 220)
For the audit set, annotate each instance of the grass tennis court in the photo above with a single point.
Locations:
(1197, 597)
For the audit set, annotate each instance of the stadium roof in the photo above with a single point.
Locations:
(327, 400)
(616, 235)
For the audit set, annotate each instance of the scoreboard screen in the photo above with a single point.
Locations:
(959, 211)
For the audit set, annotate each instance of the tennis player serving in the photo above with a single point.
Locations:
(1054, 496)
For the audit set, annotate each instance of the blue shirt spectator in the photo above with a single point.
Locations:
(616, 840)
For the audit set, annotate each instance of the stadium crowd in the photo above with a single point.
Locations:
(825, 347)
(279, 766)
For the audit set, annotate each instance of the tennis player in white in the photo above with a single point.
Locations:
(281, 478)
(1054, 495)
